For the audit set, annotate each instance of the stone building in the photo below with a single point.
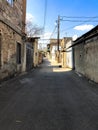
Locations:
(12, 37)
(29, 54)
(32, 54)
(86, 54)
(66, 55)
(53, 49)
(40, 57)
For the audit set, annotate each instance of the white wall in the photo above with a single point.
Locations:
(69, 55)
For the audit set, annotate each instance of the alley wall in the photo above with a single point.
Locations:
(86, 58)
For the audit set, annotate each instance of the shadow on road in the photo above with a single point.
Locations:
(53, 67)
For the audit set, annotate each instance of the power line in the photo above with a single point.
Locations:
(45, 12)
(44, 23)
(78, 21)
(78, 17)
(47, 40)
(82, 22)
(53, 32)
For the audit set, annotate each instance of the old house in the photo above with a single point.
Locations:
(86, 54)
(12, 37)
(54, 49)
(66, 55)
(29, 54)
(32, 54)
(40, 57)
(36, 54)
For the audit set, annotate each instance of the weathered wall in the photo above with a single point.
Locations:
(35, 53)
(29, 55)
(40, 57)
(9, 41)
(12, 14)
(69, 55)
(86, 59)
(79, 58)
(66, 55)
(11, 29)
(63, 59)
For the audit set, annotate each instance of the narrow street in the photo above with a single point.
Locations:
(49, 98)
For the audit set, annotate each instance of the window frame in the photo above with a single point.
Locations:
(10, 2)
(0, 50)
(19, 49)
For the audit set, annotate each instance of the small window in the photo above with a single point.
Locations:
(0, 50)
(18, 53)
(10, 2)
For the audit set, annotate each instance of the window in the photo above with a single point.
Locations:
(0, 50)
(18, 53)
(10, 1)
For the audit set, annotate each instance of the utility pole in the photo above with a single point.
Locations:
(58, 36)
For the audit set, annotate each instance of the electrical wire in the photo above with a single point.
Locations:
(78, 21)
(82, 17)
(53, 32)
(82, 22)
(45, 13)
(44, 22)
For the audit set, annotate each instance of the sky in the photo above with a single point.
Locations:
(64, 8)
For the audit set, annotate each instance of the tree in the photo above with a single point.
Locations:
(33, 29)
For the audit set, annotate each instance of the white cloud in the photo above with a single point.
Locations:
(84, 27)
(46, 35)
(29, 17)
(74, 37)
(44, 39)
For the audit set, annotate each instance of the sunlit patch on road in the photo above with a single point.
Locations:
(61, 69)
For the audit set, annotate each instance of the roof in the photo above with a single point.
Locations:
(54, 42)
(32, 39)
(90, 34)
(66, 39)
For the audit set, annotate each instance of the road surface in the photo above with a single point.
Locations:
(49, 98)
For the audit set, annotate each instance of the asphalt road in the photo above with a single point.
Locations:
(49, 98)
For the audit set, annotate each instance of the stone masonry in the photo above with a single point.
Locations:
(12, 26)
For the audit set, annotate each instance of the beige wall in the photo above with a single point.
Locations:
(63, 59)
(69, 55)
(35, 53)
(12, 14)
(66, 55)
(40, 57)
(12, 26)
(8, 43)
(86, 59)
